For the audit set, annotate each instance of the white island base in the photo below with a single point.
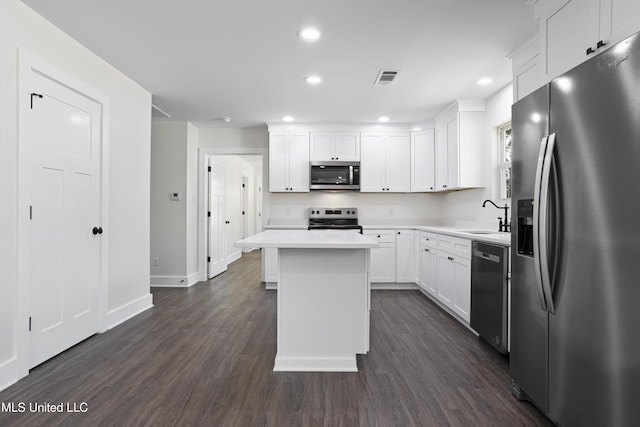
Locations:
(323, 298)
(323, 309)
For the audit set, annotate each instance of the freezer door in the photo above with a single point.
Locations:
(529, 320)
(594, 341)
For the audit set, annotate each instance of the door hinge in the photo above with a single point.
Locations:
(29, 323)
(208, 259)
(32, 95)
(209, 169)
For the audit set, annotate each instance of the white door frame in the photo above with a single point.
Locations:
(29, 63)
(202, 195)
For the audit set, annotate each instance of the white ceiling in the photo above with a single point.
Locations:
(208, 59)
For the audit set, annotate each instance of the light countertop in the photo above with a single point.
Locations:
(307, 239)
(489, 236)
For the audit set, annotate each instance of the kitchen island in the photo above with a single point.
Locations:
(323, 297)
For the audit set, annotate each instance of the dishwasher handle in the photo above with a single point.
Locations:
(487, 256)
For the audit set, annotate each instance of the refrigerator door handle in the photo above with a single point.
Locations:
(544, 223)
(537, 200)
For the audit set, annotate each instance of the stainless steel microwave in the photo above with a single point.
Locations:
(334, 176)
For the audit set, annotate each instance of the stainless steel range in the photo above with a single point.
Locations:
(334, 219)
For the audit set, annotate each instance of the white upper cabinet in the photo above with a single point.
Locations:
(460, 146)
(619, 19)
(423, 162)
(571, 31)
(526, 69)
(385, 162)
(335, 146)
(289, 161)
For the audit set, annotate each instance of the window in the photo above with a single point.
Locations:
(504, 161)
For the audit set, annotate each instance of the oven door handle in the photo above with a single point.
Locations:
(336, 227)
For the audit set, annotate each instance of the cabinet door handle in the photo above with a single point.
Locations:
(590, 50)
(450, 258)
(600, 44)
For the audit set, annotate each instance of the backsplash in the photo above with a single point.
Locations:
(373, 208)
(464, 209)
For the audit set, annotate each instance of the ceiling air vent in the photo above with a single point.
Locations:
(385, 77)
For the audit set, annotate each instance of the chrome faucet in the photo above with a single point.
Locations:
(501, 226)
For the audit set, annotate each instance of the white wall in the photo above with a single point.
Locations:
(168, 217)
(174, 168)
(192, 205)
(464, 208)
(129, 170)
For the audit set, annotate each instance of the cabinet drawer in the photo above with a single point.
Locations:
(428, 239)
(455, 245)
(381, 236)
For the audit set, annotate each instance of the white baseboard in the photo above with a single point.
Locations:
(315, 364)
(394, 286)
(193, 278)
(8, 373)
(234, 256)
(129, 310)
(170, 281)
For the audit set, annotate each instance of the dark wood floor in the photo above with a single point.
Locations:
(203, 356)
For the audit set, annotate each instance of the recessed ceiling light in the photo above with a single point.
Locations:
(313, 80)
(309, 34)
(484, 81)
(383, 119)
(287, 119)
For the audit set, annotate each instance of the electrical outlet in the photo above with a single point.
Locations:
(156, 261)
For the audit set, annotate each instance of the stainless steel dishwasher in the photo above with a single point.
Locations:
(489, 293)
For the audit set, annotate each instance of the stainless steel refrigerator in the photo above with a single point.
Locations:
(575, 349)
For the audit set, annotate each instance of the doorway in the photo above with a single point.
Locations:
(242, 206)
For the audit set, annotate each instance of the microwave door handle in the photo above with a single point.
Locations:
(351, 175)
(536, 223)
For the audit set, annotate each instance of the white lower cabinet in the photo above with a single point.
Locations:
(406, 257)
(383, 258)
(445, 271)
(462, 287)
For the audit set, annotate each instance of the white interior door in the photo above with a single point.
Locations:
(217, 257)
(64, 179)
(246, 214)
